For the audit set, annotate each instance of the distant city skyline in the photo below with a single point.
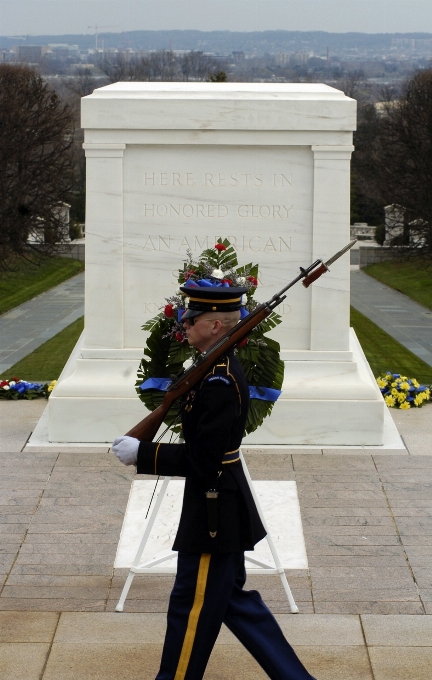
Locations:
(57, 17)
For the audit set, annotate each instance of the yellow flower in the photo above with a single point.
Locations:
(418, 400)
(381, 382)
(415, 382)
(401, 397)
(405, 386)
(51, 386)
(394, 384)
(403, 377)
(405, 405)
(390, 401)
(394, 392)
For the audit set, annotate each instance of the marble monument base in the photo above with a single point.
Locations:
(328, 399)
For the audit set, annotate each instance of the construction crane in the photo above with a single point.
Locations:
(96, 28)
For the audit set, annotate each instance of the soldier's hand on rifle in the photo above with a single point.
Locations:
(126, 449)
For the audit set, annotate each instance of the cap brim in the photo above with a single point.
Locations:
(190, 314)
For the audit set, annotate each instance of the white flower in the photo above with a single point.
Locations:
(186, 302)
(12, 382)
(217, 274)
(6, 387)
(241, 281)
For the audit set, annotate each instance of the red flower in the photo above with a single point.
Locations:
(16, 379)
(3, 383)
(220, 246)
(169, 311)
(179, 336)
(252, 280)
(188, 274)
(228, 281)
(243, 342)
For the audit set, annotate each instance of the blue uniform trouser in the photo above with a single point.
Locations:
(208, 591)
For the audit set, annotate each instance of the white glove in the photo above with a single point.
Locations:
(126, 449)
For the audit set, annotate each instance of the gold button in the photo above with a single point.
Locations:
(214, 309)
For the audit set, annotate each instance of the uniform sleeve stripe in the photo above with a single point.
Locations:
(195, 612)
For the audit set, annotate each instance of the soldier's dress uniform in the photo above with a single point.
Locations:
(208, 589)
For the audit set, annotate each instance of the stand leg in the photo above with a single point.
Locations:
(125, 591)
(293, 606)
(151, 521)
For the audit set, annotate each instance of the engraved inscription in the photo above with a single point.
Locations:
(216, 179)
(254, 244)
(213, 210)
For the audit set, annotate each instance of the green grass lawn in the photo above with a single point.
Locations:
(48, 360)
(411, 278)
(30, 280)
(385, 354)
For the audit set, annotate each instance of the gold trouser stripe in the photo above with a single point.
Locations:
(156, 455)
(195, 612)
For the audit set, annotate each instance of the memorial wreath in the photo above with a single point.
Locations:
(167, 349)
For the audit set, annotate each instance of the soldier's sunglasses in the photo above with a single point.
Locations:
(192, 320)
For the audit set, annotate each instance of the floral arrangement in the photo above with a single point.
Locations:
(22, 389)
(167, 349)
(402, 392)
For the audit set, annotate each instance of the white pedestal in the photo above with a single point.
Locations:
(173, 166)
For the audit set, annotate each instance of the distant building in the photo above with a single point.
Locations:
(238, 57)
(282, 58)
(362, 231)
(407, 43)
(63, 51)
(300, 58)
(29, 53)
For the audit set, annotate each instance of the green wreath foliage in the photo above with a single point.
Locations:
(166, 349)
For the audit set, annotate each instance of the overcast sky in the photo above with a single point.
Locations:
(36, 17)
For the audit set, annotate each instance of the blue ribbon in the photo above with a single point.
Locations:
(263, 393)
(161, 384)
(205, 283)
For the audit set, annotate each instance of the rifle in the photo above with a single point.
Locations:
(147, 428)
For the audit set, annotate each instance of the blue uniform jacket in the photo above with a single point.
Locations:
(213, 419)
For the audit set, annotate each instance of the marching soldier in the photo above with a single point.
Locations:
(219, 520)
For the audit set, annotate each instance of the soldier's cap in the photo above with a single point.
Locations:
(212, 299)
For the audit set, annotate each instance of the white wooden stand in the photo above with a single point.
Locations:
(150, 567)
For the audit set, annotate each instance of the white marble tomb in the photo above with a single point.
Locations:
(172, 166)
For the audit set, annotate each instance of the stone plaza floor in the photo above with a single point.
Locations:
(365, 601)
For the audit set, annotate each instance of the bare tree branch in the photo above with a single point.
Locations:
(36, 136)
(393, 162)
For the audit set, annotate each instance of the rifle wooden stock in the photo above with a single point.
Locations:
(313, 276)
(147, 428)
